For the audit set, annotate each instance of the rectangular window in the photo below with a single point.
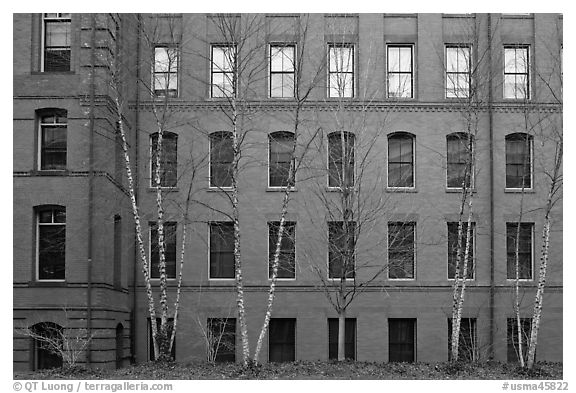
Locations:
(458, 159)
(341, 246)
(53, 144)
(282, 340)
(51, 243)
(401, 340)
(169, 250)
(222, 250)
(349, 338)
(517, 72)
(513, 339)
(165, 71)
(401, 250)
(57, 36)
(117, 252)
(524, 250)
(222, 339)
(280, 159)
(341, 159)
(340, 70)
(151, 342)
(467, 344)
(221, 157)
(282, 71)
(518, 160)
(287, 257)
(223, 66)
(400, 71)
(458, 66)
(168, 159)
(401, 160)
(453, 250)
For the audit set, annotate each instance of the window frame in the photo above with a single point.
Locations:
(213, 70)
(461, 136)
(212, 136)
(151, 225)
(272, 45)
(154, 91)
(413, 163)
(152, 160)
(271, 136)
(37, 211)
(332, 279)
(355, 341)
(334, 45)
(295, 325)
(269, 226)
(57, 19)
(528, 74)
(210, 278)
(530, 141)
(472, 323)
(532, 229)
(473, 278)
(56, 113)
(458, 72)
(414, 339)
(211, 322)
(388, 72)
(347, 136)
(404, 223)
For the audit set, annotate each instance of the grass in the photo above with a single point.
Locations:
(308, 370)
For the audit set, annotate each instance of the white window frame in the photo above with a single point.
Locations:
(41, 124)
(353, 52)
(150, 251)
(412, 69)
(531, 150)
(37, 213)
(166, 47)
(212, 69)
(533, 228)
(210, 186)
(231, 279)
(268, 173)
(473, 252)
(268, 250)
(294, 63)
(396, 188)
(43, 37)
(527, 47)
(333, 279)
(470, 61)
(472, 175)
(414, 266)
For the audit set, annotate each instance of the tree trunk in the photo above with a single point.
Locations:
(342, 335)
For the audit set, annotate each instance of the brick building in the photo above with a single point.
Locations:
(398, 84)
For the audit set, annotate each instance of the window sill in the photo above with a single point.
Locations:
(53, 73)
(519, 191)
(165, 189)
(401, 279)
(283, 279)
(340, 189)
(336, 279)
(402, 189)
(228, 280)
(219, 189)
(450, 190)
(48, 283)
(49, 172)
(280, 189)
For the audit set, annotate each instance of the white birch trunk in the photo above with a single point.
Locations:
(342, 335)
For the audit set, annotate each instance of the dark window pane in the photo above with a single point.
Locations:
(281, 144)
(453, 249)
(400, 161)
(222, 337)
(513, 339)
(467, 343)
(401, 340)
(169, 250)
(457, 160)
(524, 250)
(518, 161)
(286, 266)
(222, 250)
(44, 356)
(51, 248)
(53, 149)
(401, 250)
(340, 159)
(282, 340)
(341, 246)
(169, 160)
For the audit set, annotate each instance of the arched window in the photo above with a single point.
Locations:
(341, 159)
(52, 139)
(401, 160)
(169, 159)
(51, 242)
(280, 157)
(458, 158)
(47, 342)
(221, 156)
(518, 160)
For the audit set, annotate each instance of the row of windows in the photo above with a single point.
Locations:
(220, 336)
(341, 150)
(51, 248)
(341, 71)
(341, 67)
